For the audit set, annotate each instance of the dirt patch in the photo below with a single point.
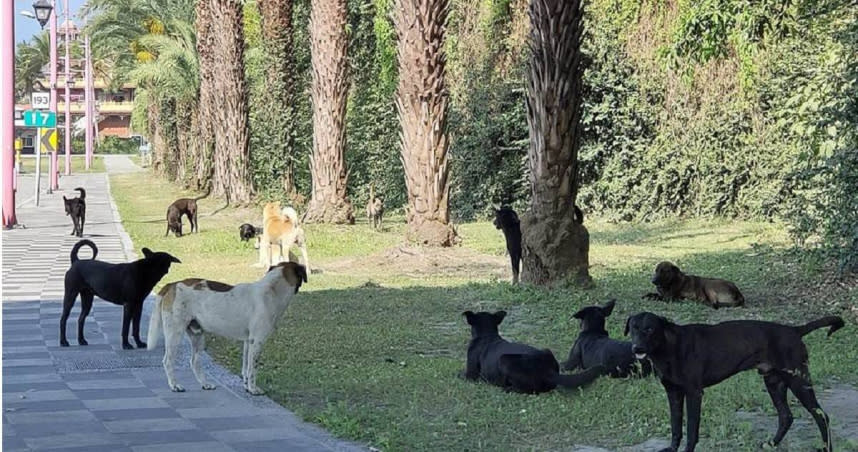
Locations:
(421, 262)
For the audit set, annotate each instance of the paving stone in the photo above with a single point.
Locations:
(99, 397)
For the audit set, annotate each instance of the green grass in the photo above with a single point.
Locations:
(371, 347)
(78, 164)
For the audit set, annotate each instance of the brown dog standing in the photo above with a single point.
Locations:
(673, 284)
(183, 206)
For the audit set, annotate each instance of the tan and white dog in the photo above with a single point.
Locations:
(280, 232)
(247, 312)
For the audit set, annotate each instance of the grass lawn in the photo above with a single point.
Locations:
(78, 164)
(372, 345)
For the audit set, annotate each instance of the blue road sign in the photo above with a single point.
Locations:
(36, 118)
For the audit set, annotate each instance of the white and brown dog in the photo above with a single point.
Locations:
(281, 231)
(247, 312)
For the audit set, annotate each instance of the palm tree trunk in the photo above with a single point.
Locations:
(277, 37)
(422, 104)
(328, 46)
(555, 246)
(231, 151)
(204, 119)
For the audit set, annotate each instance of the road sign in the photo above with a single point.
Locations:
(49, 140)
(36, 118)
(40, 101)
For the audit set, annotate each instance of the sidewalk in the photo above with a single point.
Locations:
(100, 397)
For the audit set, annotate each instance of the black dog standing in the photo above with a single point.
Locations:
(76, 208)
(507, 221)
(123, 284)
(594, 348)
(689, 358)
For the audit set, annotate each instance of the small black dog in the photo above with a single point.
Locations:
(183, 206)
(76, 208)
(594, 348)
(513, 366)
(248, 231)
(507, 221)
(689, 358)
(123, 284)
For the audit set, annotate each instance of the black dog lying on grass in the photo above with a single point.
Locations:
(513, 366)
(594, 348)
(691, 357)
(507, 221)
(76, 208)
(123, 284)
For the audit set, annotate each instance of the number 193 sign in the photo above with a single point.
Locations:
(40, 101)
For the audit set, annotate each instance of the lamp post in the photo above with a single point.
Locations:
(43, 11)
(7, 110)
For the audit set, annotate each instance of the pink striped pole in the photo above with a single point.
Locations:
(7, 112)
(68, 94)
(88, 93)
(54, 163)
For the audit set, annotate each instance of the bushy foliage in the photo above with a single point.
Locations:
(115, 145)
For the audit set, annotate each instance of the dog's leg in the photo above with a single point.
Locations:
(198, 345)
(693, 403)
(127, 315)
(68, 303)
(777, 388)
(254, 347)
(244, 354)
(168, 228)
(135, 322)
(80, 223)
(676, 399)
(800, 385)
(172, 339)
(85, 307)
(514, 260)
(304, 255)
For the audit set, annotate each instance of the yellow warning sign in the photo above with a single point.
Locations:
(49, 140)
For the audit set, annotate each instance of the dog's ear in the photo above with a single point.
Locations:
(499, 316)
(496, 207)
(469, 315)
(301, 271)
(147, 252)
(174, 259)
(64, 198)
(579, 314)
(608, 307)
(626, 330)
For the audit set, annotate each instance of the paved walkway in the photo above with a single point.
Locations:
(100, 397)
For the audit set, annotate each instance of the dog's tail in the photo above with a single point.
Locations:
(206, 195)
(154, 334)
(82, 192)
(580, 379)
(290, 213)
(833, 321)
(77, 247)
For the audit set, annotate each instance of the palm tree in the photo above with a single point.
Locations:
(277, 38)
(171, 78)
(328, 45)
(231, 177)
(30, 58)
(204, 119)
(555, 245)
(422, 104)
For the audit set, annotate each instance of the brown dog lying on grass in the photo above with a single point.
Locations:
(673, 284)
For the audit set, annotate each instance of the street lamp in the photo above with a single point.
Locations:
(43, 11)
